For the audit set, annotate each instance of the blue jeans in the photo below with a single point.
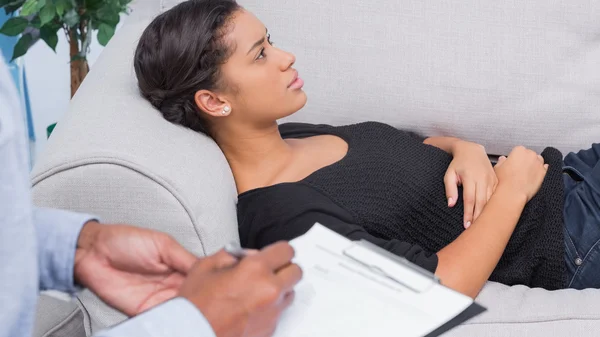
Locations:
(582, 218)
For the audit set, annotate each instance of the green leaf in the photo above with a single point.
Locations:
(105, 33)
(94, 5)
(49, 129)
(10, 2)
(36, 22)
(71, 18)
(22, 46)
(47, 13)
(12, 6)
(108, 15)
(48, 34)
(14, 26)
(29, 7)
(41, 4)
(62, 6)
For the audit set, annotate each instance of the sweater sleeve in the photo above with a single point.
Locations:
(301, 223)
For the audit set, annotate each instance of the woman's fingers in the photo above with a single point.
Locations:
(451, 183)
(469, 195)
(501, 160)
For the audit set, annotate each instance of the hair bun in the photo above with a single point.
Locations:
(182, 110)
(170, 105)
(156, 99)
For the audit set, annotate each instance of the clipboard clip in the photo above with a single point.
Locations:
(392, 267)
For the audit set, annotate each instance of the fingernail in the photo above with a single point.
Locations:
(450, 201)
(468, 224)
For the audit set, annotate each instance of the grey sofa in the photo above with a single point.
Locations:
(500, 73)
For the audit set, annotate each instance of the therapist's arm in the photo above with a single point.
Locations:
(131, 269)
(57, 232)
(134, 269)
(239, 298)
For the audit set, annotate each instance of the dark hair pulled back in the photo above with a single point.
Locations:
(181, 52)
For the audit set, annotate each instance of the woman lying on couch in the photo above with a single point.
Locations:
(210, 65)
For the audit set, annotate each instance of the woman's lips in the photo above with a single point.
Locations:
(297, 83)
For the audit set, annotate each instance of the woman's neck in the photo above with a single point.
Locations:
(255, 156)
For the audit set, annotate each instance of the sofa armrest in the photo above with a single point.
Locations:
(118, 192)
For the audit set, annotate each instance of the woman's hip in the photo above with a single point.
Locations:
(582, 218)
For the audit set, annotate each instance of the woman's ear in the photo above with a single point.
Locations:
(212, 104)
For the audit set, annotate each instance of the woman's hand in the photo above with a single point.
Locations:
(523, 172)
(472, 169)
(467, 263)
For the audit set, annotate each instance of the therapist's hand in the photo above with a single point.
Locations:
(131, 269)
(246, 298)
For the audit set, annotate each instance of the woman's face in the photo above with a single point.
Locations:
(260, 84)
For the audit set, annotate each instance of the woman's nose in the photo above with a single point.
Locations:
(288, 60)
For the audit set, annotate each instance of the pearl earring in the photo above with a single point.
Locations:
(226, 110)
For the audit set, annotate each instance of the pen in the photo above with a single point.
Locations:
(235, 250)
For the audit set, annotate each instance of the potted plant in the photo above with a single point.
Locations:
(77, 19)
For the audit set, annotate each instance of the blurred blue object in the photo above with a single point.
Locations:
(17, 70)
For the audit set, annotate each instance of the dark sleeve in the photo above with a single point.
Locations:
(301, 223)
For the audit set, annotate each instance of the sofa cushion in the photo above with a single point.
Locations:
(48, 324)
(523, 311)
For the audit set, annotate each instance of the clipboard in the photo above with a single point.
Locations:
(409, 275)
(355, 288)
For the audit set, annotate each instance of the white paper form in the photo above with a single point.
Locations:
(340, 296)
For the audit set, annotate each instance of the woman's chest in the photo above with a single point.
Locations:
(311, 155)
(384, 175)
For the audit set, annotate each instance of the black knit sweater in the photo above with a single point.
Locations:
(389, 188)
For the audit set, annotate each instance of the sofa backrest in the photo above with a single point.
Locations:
(501, 73)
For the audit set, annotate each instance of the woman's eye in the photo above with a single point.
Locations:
(261, 54)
